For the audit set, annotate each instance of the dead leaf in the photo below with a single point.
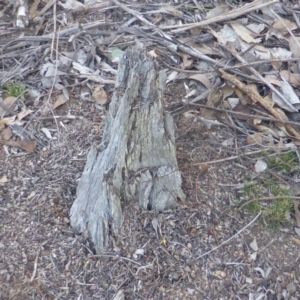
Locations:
(266, 102)
(187, 89)
(275, 64)
(273, 79)
(152, 53)
(289, 95)
(203, 79)
(71, 5)
(186, 60)
(50, 70)
(120, 295)
(91, 74)
(225, 35)
(297, 241)
(215, 97)
(263, 128)
(190, 114)
(172, 76)
(228, 142)
(24, 113)
(99, 95)
(27, 146)
(279, 146)
(245, 34)
(47, 133)
(204, 48)
(210, 123)
(8, 105)
(282, 25)
(208, 114)
(169, 9)
(213, 100)
(6, 133)
(253, 256)
(253, 245)
(155, 225)
(227, 91)
(255, 138)
(292, 78)
(278, 53)
(60, 100)
(7, 121)
(244, 98)
(191, 93)
(45, 109)
(256, 28)
(294, 43)
(45, 153)
(66, 93)
(233, 102)
(203, 168)
(33, 9)
(195, 31)
(261, 271)
(217, 11)
(138, 253)
(3, 179)
(243, 109)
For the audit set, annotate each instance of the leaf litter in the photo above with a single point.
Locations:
(233, 88)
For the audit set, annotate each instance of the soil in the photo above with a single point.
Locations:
(41, 258)
(206, 248)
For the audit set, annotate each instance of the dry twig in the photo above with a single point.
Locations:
(228, 240)
(267, 199)
(247, 8)
(228, 158)
(133, 12)
(245, 115)
(238, 57)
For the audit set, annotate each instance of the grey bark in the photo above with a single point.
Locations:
(137, 157)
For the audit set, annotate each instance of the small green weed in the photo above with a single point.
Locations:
(252, 189)
(284, 163)
(270, 196)
(14, 89)
(274, 213)
(254, 206)
(277, 213)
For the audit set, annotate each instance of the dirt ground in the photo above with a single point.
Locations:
(41, 258)
(206, 248)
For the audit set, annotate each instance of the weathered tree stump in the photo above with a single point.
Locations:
(137, 157)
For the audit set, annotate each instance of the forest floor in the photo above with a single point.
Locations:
(207, 248)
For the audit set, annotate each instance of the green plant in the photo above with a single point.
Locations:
(268, 195)
(252, 189)
(276, 214)
(284, 163)
(254, 206)
(14, 89)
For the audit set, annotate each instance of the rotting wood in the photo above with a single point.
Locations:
(136, 159)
